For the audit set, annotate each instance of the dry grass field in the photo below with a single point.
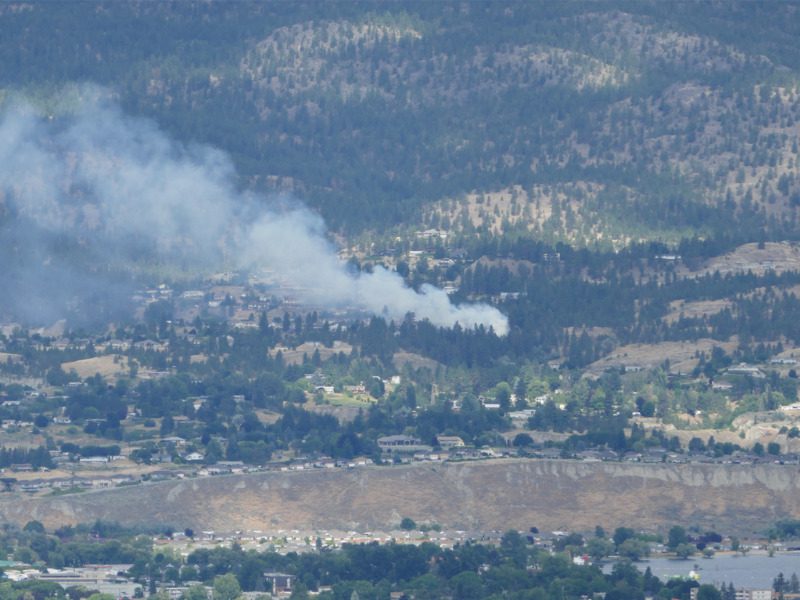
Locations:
(111, 365)
(681, 355)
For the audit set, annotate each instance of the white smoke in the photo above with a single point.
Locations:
(120, 181)
(296, 243)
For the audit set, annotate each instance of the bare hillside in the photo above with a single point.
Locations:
(488, 495)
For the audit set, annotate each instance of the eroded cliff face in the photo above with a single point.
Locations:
(478, 495)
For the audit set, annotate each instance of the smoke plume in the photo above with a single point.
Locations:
(96, 186)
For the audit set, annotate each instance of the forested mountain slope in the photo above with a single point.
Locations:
(601, 120)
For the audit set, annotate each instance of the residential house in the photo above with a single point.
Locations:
(748, 370)
(278, 583)
(449, 441)
(401, 443)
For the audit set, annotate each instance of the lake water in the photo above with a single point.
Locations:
(754, 571)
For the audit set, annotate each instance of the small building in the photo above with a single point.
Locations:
(94, 460)
(401, 443)
(520, 417)
(103, 578)
(754, 595)
(278, 583)
(741, 594)
(747, 370)
(449, 441)
(175, 592)
(172, 440)
(783, 361)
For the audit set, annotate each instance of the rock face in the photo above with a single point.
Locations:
(490, 495)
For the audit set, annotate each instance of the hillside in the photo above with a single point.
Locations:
(484, 496)
(611, 121)
(272, 231)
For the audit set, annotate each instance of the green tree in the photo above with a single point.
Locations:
(512, 545)
(696, 445)
(633, 549)
(467, 585)
(599, 531)
(300, 592)
(158, 313)
(213, 453)
(522, 440)
(34, 527)
(196, 592)
(226, 587)
(167, 425)
(676, 536)
(76, 592)
(621, 534)
(503, 395)
(375, 387)
(521, 390)
(599, 548)
(708, 592)
(684, 550)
